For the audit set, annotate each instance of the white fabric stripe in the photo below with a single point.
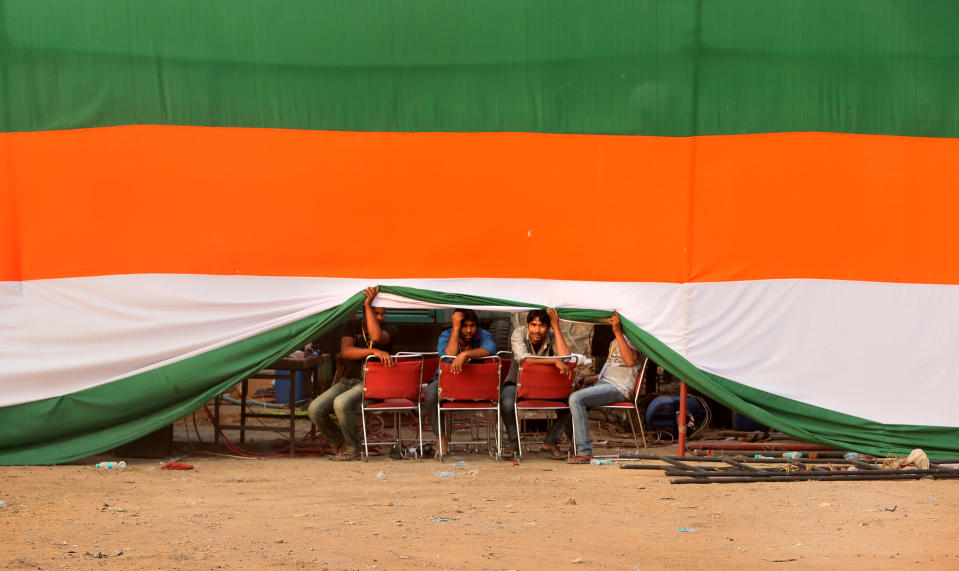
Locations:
(78, 333)
(880, 351)
(64, 335)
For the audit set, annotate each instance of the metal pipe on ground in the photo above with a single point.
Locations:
(748, 460)
(748, 433)
(825, 475)
(723, 453)
(761, 446)
(806, 476)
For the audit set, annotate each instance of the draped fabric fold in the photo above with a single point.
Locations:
(89, 416)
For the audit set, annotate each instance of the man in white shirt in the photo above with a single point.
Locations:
(614, 383)
(540, 337)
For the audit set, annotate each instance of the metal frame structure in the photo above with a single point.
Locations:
(696, 470)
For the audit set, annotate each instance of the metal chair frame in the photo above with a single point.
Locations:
(634, 407)
(555, 394)
(454, 402)
(506, 361)
(392, 396)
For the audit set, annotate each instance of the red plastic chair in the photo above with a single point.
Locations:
(395, 389)
(474, 389)
(540, 386)
(632, 407)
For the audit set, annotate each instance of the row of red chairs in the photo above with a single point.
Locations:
(400, 389)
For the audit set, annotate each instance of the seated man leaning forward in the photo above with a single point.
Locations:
(464, 340)
(360, 338)
(614, 383)
(541, 337)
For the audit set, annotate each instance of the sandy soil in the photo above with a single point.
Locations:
(393, 514)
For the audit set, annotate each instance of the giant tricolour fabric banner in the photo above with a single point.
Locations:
(765, 191)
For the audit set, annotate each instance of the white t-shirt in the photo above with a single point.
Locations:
(616, 373)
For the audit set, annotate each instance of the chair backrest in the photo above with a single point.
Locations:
(478, 381)
(543, 380)
(431, 362)
(639, 380)
(401, 381)
(506, 361)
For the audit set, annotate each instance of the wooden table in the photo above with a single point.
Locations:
(310, 365)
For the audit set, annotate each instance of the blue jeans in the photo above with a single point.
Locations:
(507, 401)
(597, 395)
(430, 401)
(344, 399)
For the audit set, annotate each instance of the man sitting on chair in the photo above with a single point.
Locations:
(613, 384)
(464, 340)
(360, 338)
(540, 337)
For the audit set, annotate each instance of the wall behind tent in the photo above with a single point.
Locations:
(765, 191)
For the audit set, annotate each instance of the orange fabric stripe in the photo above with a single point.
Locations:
(161, 199)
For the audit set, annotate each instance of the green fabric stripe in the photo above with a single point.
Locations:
(94, 420)
(670, 68)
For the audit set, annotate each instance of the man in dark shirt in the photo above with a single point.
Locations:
(360, 338)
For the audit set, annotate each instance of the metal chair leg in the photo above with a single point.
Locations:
(366, 446)
(642, 432)
(397, 429)
(519, 438)
(632, 427)
(499, 435)
(419, 426)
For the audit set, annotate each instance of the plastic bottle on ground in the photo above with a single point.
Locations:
(111, 465)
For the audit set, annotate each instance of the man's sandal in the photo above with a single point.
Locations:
(552, 452)
(346, 457)
(580, 459)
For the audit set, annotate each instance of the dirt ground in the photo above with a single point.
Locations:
(232, 512)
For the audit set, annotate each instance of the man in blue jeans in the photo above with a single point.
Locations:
(464, 340)
(614, 383)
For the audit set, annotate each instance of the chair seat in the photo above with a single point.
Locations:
(391, 403)
(469, 404)
(624, 404)
(535, 403)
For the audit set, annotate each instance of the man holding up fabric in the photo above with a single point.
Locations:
(613, 384)
(541, 337)
(360, 338)
(464, 340)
